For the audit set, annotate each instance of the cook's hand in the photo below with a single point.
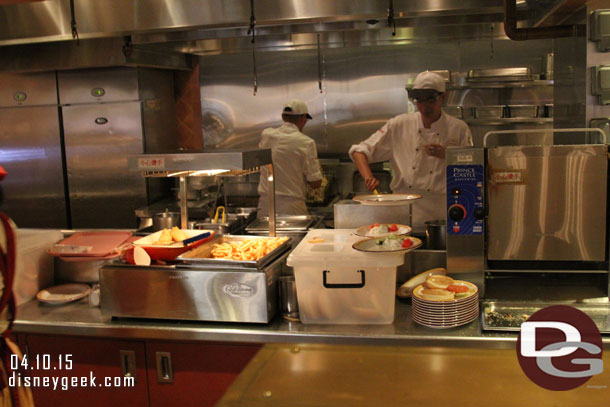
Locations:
(435, 150)
(371, 183)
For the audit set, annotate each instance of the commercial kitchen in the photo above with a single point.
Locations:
(119, 118)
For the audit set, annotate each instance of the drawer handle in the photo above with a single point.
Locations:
(165, 372)
(101, 120)
(128, 363)
(341, 285)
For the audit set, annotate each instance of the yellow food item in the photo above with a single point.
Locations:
(177, 234)
(316, 239)
(165, 238)
(247, 249)
(437, 294)
(438, 281)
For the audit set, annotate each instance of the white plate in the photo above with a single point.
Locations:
(402, 230)
(386, 199)
(370, 246)
(61, 294)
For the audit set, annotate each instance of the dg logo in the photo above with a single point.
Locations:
(560, 348)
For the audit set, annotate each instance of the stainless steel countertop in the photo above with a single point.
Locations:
(82, 320)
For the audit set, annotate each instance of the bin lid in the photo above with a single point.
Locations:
(333, 247)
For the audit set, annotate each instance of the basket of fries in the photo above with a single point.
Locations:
(243, 251)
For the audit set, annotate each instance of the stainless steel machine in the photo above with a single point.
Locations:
(191, 288)
(197, 289)
(528, 223)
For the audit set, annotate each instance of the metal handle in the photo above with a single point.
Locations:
(342, 285)
(165, 372)
(128, 363)
(530, 131)
(101, 120)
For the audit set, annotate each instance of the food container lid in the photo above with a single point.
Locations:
(333, 248)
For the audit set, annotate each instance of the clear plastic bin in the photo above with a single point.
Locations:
(337, 284)
(34, 268)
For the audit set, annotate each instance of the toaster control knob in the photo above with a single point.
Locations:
(457, 212)
(479, 213)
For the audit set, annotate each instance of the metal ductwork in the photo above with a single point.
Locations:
(540, 32)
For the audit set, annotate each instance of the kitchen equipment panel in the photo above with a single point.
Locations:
(28, 89)
(30, 151)
(191, 293)
(98, 85)
(98, 139)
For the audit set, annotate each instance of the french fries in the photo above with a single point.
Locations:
(247, 249)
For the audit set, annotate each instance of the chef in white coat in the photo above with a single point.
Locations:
(415, 144)
(295, 162)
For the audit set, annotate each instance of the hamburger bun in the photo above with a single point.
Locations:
(437, 294)
(438, 281)
(407, 288)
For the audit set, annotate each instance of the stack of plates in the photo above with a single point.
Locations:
(445, 314)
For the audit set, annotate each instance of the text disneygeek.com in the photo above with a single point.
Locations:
(24, 374)
(65, 382)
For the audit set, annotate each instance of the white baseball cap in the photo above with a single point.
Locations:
(296, 107)
(429, 80)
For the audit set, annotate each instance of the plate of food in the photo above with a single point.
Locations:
(389, 244)
(443, 288)
(386, 199)
(383, 230)
(167, 244)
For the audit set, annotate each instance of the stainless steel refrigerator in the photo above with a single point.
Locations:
(108, 114)
(65, 138)
(31, 151)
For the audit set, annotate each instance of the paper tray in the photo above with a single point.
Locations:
(202, 254)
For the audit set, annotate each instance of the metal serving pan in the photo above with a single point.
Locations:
(522, 111)
(489, 112)
(508, 316)
(202, 255)
(456, 111)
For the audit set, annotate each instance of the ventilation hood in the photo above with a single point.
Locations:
(194, 26)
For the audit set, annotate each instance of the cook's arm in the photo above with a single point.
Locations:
(362, 164)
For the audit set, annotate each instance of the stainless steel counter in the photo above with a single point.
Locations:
(80, 319)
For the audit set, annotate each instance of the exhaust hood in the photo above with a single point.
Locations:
(190, 21)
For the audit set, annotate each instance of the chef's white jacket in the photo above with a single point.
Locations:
(401, 142)
(295, 161)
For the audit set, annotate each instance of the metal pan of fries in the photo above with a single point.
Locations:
(237, 251)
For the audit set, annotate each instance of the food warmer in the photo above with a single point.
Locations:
(528, 224)
(202, 289)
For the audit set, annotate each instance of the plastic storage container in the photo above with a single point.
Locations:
(337, 284)
(34, 267)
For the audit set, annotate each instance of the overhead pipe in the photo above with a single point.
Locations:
(535, 33)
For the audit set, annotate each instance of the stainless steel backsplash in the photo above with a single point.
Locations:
(362, 87)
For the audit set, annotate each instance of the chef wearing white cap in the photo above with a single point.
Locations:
(415, 143)
(295, 162)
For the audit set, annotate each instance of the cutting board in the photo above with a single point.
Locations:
(101, 243)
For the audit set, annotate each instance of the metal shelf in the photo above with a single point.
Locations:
(500, 84)
(482, 84)
(539, 120)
